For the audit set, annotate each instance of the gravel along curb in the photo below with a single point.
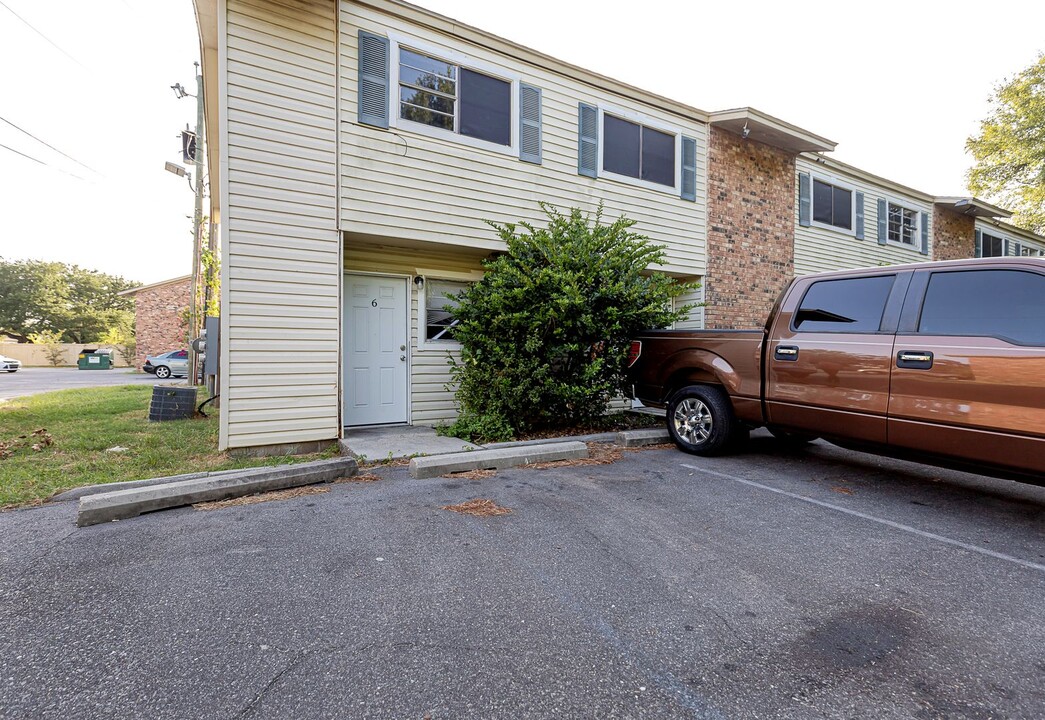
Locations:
(123, 504)
(436, 465)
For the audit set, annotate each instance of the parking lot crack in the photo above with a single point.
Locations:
(294, 663)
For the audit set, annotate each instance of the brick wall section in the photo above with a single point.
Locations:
(954, 235)
(751, 230)
(158, 325)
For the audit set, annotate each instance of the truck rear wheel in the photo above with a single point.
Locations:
(701, 421)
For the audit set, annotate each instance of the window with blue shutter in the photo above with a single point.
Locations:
(372, 97)
(530, 124)
(883, 224)
(859, 216)
(689, 169)
(588, 140)
(804, 200)
(925, 233)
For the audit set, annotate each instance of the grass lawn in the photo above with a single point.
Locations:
(80, 426)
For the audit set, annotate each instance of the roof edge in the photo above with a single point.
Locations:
(150, 286)
(763, 127)
(971, 206)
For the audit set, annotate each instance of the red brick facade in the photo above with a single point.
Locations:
(159, 312)
(953, 235)
(751, 230)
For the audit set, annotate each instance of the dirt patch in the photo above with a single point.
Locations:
(480, 507)
(598, 454)
(661, 446)
(471, 475)
(262, 497)
(364, 478)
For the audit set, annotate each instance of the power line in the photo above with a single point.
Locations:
(52, 43)
(42, 142)
(37, 160)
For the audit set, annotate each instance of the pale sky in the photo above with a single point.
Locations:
(898, 85)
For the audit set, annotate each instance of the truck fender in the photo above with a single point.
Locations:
(693, 367)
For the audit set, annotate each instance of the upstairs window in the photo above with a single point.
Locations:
(902, 224)
(832, 205)
(1031, 252)
(637, 151)
(440, 94)
(992, 246)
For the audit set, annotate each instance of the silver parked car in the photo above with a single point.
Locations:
(175, 362)
(9, 364)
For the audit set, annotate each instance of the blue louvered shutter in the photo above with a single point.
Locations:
(588, 140)
(689, 169)
(883, 222)
(979, 244)
(1018, 249)
(1005, 247)
(859, 216)
(925, 233)
(529, 124)
(805, 200)
(373, 79)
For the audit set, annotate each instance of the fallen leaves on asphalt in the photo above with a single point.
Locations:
(598, 454)
(471, 475)
(480, 507)
(261, 497)
(842, 490)
(364, 478)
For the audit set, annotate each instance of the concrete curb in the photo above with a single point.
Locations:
(597, 437)
(497, 459)
(77, 493)
(123, 504)
(646, 436)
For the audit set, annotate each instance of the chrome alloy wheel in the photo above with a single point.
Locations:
(693, 421)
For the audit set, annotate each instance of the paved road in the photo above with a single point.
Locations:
(35, 380)
(825, 584)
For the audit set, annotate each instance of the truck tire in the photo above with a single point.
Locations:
(701, 421)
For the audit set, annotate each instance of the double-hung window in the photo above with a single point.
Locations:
(637, 151)
(992, 246)
(832, 205)
(451, 97)
(901, 224)
(440, 299)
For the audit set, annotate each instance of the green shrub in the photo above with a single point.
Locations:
(545, 333)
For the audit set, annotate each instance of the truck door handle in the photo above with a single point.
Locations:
(786, 352)
(914, 359)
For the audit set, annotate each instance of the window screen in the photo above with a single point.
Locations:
(832, 205)
(486, 107)
(849, 305)
(439, 306)
(1008, 304)
(638, 151)
(992, 246)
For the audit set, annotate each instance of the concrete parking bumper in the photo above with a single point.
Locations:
(436, 465)
(638, 438)
(123, 504)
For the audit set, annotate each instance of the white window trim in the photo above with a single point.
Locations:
(423, 343)
(457, 58)
(1000, 236)
(916, 245)
(835, 182)
(653, 124)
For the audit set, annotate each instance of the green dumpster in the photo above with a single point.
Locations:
(95, 359)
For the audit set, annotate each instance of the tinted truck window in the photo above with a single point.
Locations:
(1007, 304)
(852, 305)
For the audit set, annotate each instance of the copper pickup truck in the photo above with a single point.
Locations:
(941, 362)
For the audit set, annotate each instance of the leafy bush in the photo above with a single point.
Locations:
(545, 333)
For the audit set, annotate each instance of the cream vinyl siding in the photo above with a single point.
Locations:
(430, 402)
(281, 251)
(695, 321)
(399, 183)
(819, 249)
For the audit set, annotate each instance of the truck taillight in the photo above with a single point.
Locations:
(634, 351)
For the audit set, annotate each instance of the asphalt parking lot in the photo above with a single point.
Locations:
(36, 380)
(823, 584)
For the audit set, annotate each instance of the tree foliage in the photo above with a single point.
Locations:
(1010, 148)
(78, 305)
(545, 334)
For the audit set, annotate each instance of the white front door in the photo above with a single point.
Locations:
(376, 349)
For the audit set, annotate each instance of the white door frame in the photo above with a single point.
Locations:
(409, 347)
